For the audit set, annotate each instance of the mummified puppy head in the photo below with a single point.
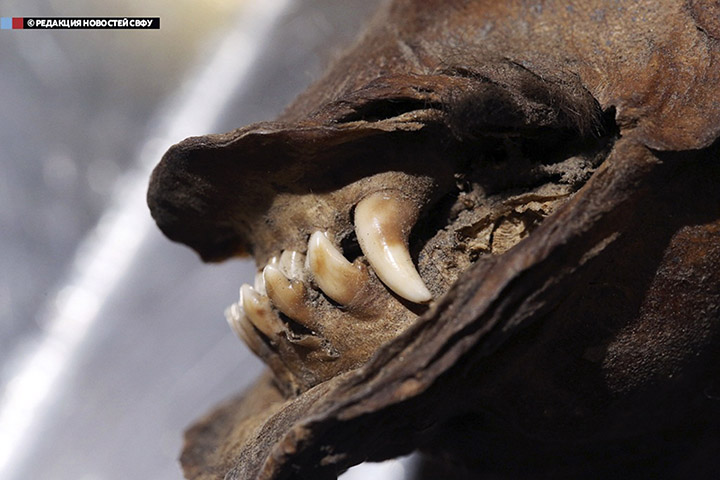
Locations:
(362, 214)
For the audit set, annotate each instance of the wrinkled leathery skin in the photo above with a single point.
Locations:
(559, 164)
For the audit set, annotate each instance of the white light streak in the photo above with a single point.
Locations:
(402, 468)
(107, 253)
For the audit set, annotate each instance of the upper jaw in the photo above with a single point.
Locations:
(277, 191)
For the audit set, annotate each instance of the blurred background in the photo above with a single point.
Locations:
(112, 338)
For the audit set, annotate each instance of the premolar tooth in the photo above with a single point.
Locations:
(259, 311)
(334, 274)
(382, 223)
(292, 264)
(287, 295)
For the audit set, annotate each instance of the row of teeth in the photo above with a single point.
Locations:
(382, 224)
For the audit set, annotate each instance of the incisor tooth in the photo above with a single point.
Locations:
(382, 223)
(239, 324)
(287, 295)
(259, 311)
(334, 274)
(233, 315)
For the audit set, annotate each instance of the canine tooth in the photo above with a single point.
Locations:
(382, 223)
(287, 295)
(259, 311)
(292, 264)
(334, 274)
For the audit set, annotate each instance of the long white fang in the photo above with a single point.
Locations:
(334, 274)
(259, 311)
(287, 295)
(382, 223)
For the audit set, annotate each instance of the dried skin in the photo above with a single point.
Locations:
(561, 160)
